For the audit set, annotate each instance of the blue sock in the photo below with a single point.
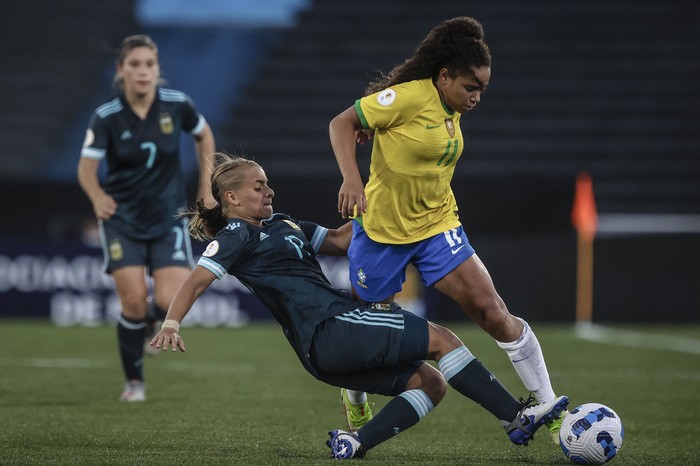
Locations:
(130, 334)
(399, 414)
(471, 378)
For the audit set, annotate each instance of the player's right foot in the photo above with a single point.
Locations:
(532, 417)
(134, 392)
(355, 415)
(344, 445)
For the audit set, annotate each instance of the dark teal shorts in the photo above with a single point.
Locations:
(370, 350)
(172, 249)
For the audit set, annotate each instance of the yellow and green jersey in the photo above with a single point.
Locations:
(417, 142)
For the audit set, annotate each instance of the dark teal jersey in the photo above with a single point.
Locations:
(277, 262)
(144, 175)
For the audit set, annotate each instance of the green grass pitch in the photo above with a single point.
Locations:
(239, 396)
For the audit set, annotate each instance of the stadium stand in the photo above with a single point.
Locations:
(51, 54)
(609, 88)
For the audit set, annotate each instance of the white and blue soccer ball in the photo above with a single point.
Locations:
(591, 434)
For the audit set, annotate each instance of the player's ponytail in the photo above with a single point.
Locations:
(206, 222)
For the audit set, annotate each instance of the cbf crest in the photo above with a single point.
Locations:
(166, 123)
(450, 125)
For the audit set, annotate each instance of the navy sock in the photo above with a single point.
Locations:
(401, 413)
(477, 383)
(468, 376)
(155, 312)
(131, 334)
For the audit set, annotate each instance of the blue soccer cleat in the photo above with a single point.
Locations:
(532, 417)
(344, 445)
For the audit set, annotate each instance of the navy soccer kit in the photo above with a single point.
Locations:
(144, 177)
(143, 166)
(277, 262)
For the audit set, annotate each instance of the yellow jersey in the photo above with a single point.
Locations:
(417, 142)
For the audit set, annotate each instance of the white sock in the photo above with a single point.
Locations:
(526, 355)
(357, 398)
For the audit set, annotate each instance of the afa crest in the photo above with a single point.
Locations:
(116, 253)
(292, 224)
(166, 123)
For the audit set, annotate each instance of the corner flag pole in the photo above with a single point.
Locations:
(585, 219)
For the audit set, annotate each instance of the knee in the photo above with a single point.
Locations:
(435, 387)
(431, 382)
(134, 305)
(442, 341)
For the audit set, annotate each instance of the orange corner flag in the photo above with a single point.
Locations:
(583, 214)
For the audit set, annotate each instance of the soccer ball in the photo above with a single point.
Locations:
(591, 434)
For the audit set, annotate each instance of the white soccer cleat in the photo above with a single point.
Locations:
(134, 392)
(532, 417)
(344, 445)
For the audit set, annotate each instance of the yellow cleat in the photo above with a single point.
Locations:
(555, 426)
(355, 415)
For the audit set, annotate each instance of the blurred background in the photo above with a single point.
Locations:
(609, 88)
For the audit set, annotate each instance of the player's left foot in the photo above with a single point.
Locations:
(134, 391)
(344, 445)
(532, 417)
(555, 426)
(355, 415)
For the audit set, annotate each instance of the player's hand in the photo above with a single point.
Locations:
(363, 135)
(104, 206)
(351, 199)
(168, 337)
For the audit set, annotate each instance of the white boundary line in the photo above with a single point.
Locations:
(631, 224)
(595, 332)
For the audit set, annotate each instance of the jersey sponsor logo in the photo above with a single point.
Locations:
(386, 97)
(89, 138)
(125, 135)
(212, 248)
(361, 277)
(263, 236)
(166, 123)
(116, 253)
(292, 224)
(429, 126)
(233, 225)
(450, 125)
